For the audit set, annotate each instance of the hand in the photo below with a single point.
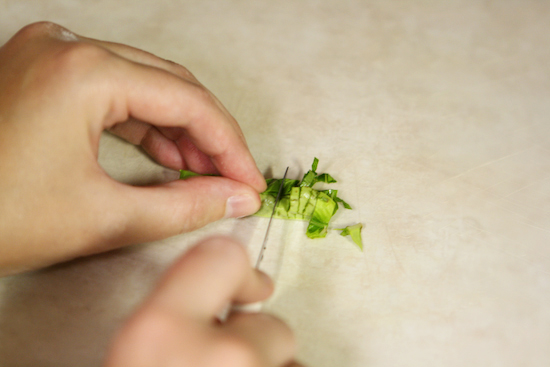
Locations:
(58, 92)
(177, 325)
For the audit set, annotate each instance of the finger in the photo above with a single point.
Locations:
(269, 336)
(208, 277)
(163, 150)
(165, 100)
(195, 160)
(142, 214)
(146, 58)
(165, 94)
(170, 147)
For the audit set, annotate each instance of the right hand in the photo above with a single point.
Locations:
(178, 324)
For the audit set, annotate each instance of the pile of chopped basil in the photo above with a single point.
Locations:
(300, 201)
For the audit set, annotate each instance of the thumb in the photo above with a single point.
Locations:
(156, 212)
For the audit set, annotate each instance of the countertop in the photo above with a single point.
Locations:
(432, 115)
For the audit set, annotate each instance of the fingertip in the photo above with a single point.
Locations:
(266, 281)
(266, 286)
(254, 178)
(241, 205)
(260, 184)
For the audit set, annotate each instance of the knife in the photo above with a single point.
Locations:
(255, 307)
(264, 243)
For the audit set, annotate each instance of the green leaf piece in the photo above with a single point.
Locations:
(326, 178)
(311, 177)
(314, 164)
(294, 209)
(354, 232)
(300, 201)
(346, 205)
(324, 210)
(184, 174)
(273, 185)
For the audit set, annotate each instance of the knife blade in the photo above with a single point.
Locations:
(255, 307)
(264, 243)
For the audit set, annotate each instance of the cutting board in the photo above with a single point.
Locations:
(432, 116)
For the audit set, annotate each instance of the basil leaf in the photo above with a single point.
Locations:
(354, 232)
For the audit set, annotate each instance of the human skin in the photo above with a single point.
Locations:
(58, 92)
(178, 325)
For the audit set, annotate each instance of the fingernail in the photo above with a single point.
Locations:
(240, 205)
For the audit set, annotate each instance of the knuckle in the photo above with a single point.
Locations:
(69, 64)
(237, 350)
(279, 332)
(205, 108)
(150, 335)
(202, 96)
(39, 29)
(182, 71)
(75, 64)
(278, 327)
(149, 324)
(49, 60)
(80, 56)
(44, 29)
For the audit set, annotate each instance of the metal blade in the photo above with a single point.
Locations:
(264, 244)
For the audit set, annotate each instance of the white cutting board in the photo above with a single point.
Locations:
(433, 117)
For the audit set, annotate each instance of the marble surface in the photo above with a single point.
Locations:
(432, 115)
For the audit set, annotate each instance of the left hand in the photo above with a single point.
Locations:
(58, 92)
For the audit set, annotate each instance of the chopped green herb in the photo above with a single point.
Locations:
(300, 201)
(186, 174)
(354, 232)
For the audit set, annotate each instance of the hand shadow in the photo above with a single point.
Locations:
(67, 314)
